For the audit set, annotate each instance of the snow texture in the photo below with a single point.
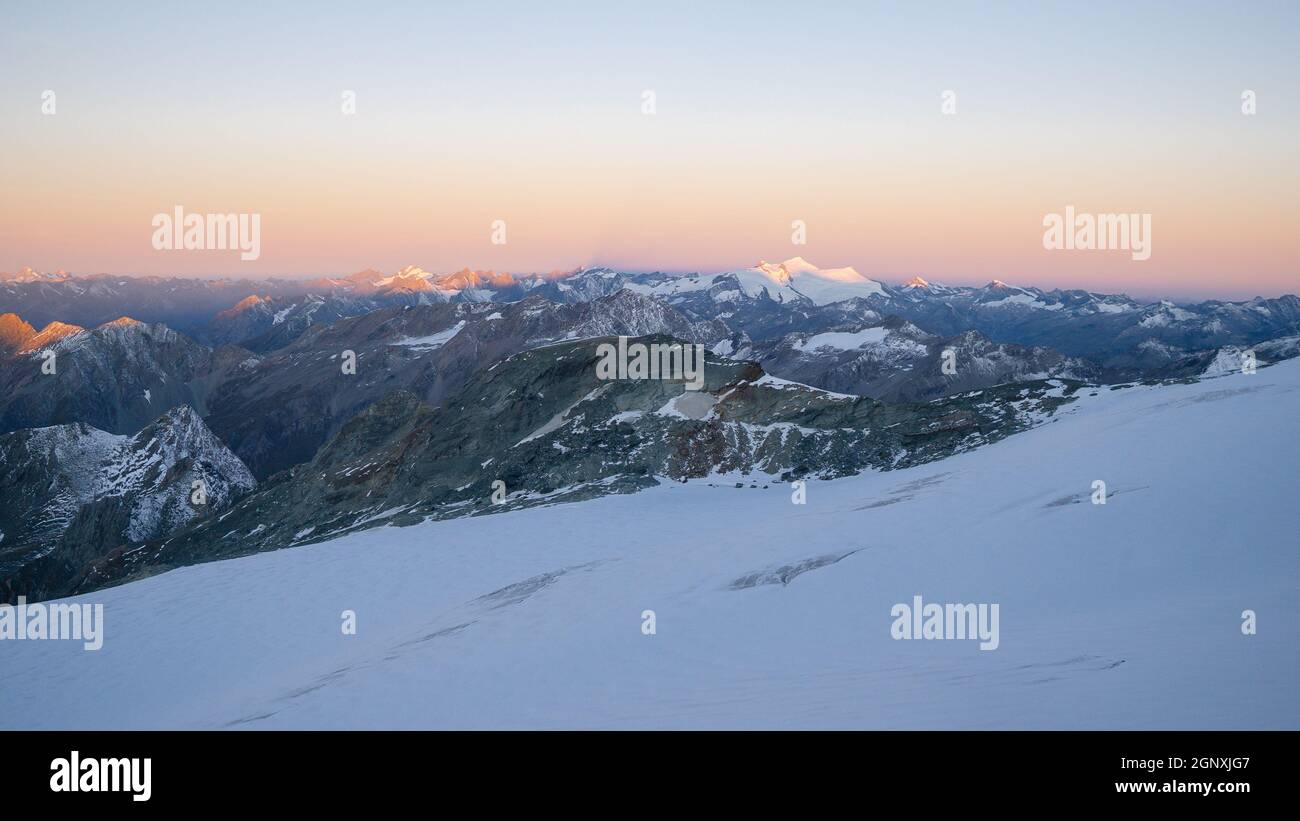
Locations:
(769, 614)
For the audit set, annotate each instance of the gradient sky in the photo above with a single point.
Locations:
(766, 113)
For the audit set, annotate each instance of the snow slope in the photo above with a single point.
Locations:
(432, 341)
(822, 285)
(844, 340)
(1123, 615)
(794, 279)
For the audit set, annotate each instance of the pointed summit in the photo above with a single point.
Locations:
(13, 333)
(916, 282)
(250, 301)
(413, 272)
(54, 332)
(122, 322)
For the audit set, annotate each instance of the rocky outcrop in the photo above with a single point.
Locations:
(546, 426)
(117, 377)
(73, 493)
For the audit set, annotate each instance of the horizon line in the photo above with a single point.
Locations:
(571, 271)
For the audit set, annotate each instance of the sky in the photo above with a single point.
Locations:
(764, 114)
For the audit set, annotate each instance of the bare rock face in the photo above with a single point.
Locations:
(895, 361)
(14, 333)
(74, 493)
(46, 475)
(379, 399)
(279, 410)
(545, 425)
(117, 377)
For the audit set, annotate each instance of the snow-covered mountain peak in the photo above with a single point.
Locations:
(777, 272)
(467, 278)
(796, 267)
(820, 285)
(1164, 313)
(28, 274)
(412, 272)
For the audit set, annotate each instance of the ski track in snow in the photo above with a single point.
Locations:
(1123, 615)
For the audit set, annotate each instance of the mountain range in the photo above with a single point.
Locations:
(766, 613)
(314, 408)
(765, 300)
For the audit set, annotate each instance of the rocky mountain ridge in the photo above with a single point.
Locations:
(73, 492)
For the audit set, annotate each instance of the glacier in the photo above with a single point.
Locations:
(1120, 615)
